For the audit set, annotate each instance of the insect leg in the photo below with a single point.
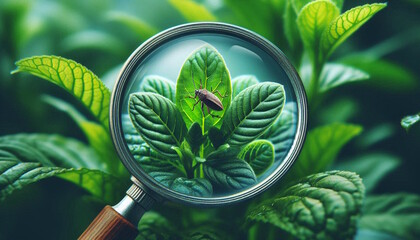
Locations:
(212, 115)
(198, 100)
(202, 108)
(217, 91)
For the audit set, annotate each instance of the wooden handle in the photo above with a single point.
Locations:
(109, 225)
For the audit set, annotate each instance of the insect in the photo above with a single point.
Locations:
(207, 98)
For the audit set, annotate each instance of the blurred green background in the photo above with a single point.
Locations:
(98, 34)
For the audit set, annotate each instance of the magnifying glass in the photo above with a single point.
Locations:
(204, 114)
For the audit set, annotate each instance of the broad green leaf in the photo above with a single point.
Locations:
(192, 11)
(153, 226)
(321, 206)
(198, 187)
(384, 74)
(299, 4)
(206, 233)
(158, 122)
(159, 85)
(138, 26)
(51, 150)
(346, 24)
(207, 66)
(95, 133)
(321, 147)
(397, 214)
(259, 154)
(20, 167)
(312, 20)
(371, 167)
(282, 133)
(409, 121)
(292, 32)
(94, 40)
(195, 137)
(252, 112)
(334, 75)
(225, 170)
(73, 77)
(241, 82)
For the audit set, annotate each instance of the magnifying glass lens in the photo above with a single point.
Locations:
(208, 115)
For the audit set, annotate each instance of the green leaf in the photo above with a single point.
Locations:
(321, 206)
(346, 24)
(312, 20)
(205, 65)
(282, 133)
(192, 11)
(96, 134)
(131, 136)
(51, 150)
(334, 75)
(384, 74)
(195, 137)
(21, 164)
(241, 82)
(198, 187)
(371, 167)
(216, 137)
(322, 146)
(136, 25)
(409, 121)
(153, 226)
(159, 85)
(252, 112)
(225, 170)
(259, 154)
(73, 77)
(299, 4)
(292, 32)
(158, 122)
(397, 214)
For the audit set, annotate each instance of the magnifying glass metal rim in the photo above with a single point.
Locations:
(150, 185)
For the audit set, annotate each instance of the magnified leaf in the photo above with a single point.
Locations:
(282, 133)
(259, 154)
(252, 112)
(74, 78)
(205, 65)
(216, 137)
(322, 146)
(199, 187)
(195, 137)
(334, 75)
(321, 206)
(385, 212)
(192, 11)
(346, 24)
(159, 85)
(225, 170)
(131, 136)
(241, 82)
(141, 28)
(312, 20)
(158, 122)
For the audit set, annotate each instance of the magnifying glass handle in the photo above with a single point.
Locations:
(121, 220)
